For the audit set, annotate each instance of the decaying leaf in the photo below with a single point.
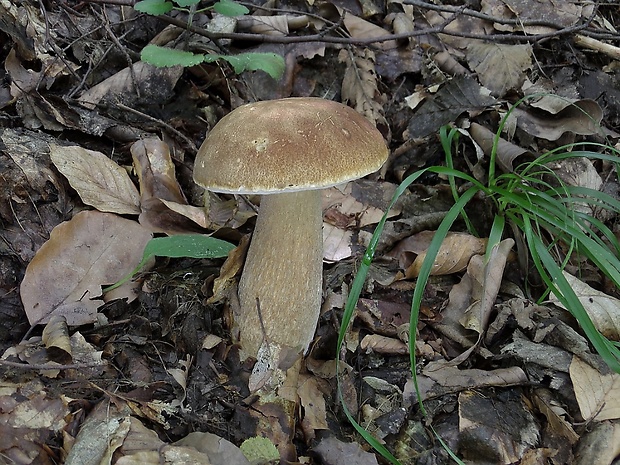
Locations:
(498, 430)
(598, 395)
(500, 67)
(460, 95)
(66, 274)
(604, 310)
(507, 152)
(359, 85)
(335, 452)
(99, 181)
(29, 418)
(143, 81)
(313, 402)
(583, 118)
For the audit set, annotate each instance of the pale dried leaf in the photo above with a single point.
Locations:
(336, 243)
(219, 450)
(361, 29)
(99, 181)
(599, 445)
(383, 345)
(487, 277)
(66, 274)
(604, 310)
(454, 254)
(56, 339)
(598, 395)
(196, 214)
(500, 67)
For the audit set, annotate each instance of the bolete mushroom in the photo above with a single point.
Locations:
(286, 150)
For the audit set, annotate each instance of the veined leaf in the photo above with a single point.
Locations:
(153, 7)
(230, 8)
(164, 57)
(271, 63)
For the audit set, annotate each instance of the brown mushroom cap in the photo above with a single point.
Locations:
(288, 145)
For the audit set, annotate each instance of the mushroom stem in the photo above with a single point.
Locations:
(283, 273)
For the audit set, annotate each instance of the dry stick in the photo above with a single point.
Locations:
(262, 38)
(598, 46)
(45, 366)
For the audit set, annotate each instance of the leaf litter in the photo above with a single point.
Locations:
(88, 178)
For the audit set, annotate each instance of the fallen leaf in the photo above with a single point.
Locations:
(453, 256)
(460, 95)
(507, 152)
(598, 395)
(583, 118)
(604, 310)
(99, 181)
(500, 67)
(66, 274)
(335, 452)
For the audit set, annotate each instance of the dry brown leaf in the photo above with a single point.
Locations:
(99, 181)
(583, 118)
(66, 274)
(604, 310)
(156, 171)
(454, 253)
(359, 85)
(56, 339)
(361, 29)
(313, 402)
(500, 67)
(563, 13)
(598, 395)
(383, 345)
(506, 151)
(487, 277)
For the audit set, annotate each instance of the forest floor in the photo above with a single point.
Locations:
(96, 157)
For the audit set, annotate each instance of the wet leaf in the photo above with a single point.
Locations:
(99, 181)
(66, 274)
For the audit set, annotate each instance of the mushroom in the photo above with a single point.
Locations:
(286, 150)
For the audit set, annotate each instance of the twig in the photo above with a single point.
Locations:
(45, 366)
(179, 134)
